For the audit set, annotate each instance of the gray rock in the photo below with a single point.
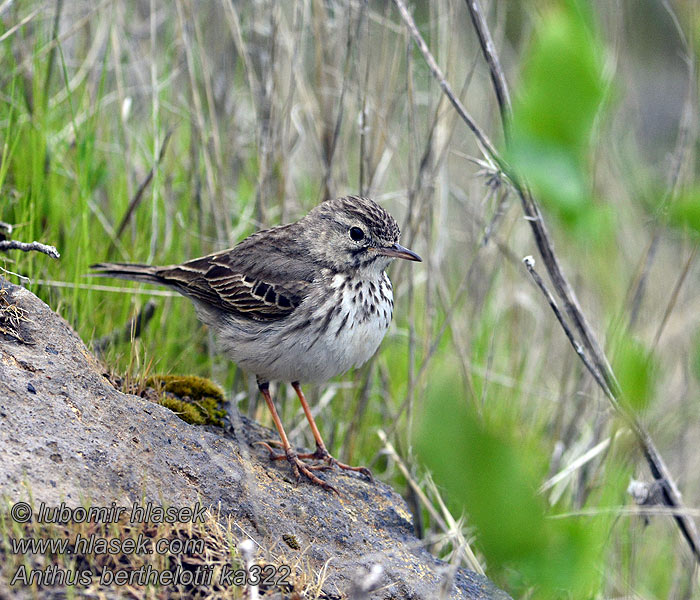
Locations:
(68, 435)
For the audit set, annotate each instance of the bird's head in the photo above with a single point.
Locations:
(354, 233)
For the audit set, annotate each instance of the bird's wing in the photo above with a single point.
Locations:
(263, 278)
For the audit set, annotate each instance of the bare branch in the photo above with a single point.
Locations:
(29, 247)
(530, 265)
(497, 77)
(657, 466)
(136, 200)
(485, 145)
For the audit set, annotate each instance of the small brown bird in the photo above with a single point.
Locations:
(302, 302)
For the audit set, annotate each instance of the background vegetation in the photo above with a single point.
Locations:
(156, 132)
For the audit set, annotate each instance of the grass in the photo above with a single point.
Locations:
(269, 108)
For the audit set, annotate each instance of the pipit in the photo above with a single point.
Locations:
(302, 302)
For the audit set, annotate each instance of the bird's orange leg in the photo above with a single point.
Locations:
(298, 466)
(321, 450)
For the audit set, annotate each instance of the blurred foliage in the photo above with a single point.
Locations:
(559, 97)
(684, 211)
(695, 357)
(495, 470)
(636, 370)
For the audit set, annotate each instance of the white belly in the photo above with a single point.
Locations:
(295, 350)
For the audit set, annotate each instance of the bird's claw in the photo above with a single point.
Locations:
(300, 468)
(320, 454)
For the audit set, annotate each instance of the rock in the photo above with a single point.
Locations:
(67, 435)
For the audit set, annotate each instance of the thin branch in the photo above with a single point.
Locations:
(485, 144)
(657, 466)
(29, 247)
(136, 200)
(489, 50)
(674, 296)
(530, 265)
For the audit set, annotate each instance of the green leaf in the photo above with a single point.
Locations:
(636, 370)
(493, 473)
(561, 92)
(685, 211)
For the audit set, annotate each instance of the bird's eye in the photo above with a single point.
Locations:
(356, 234)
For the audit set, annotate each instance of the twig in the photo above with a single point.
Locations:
(29, 247)
(674, 296)
(24, 280)
(611, 387)
(530, 265)
(136, 200)
(657, 466)
(497, 77)
(485, 145)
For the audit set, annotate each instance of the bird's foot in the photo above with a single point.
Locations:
(320, 454)
(331, 462)
(299, 467)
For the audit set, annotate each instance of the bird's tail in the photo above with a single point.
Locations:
(132, 271)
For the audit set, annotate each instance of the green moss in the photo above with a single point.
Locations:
(195, 400)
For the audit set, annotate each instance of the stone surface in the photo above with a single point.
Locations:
(68, 435)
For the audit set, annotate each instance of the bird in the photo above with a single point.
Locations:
(297, 303)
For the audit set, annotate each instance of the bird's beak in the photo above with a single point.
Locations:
(398, 251)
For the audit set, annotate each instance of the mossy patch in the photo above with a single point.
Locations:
(196, 400)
